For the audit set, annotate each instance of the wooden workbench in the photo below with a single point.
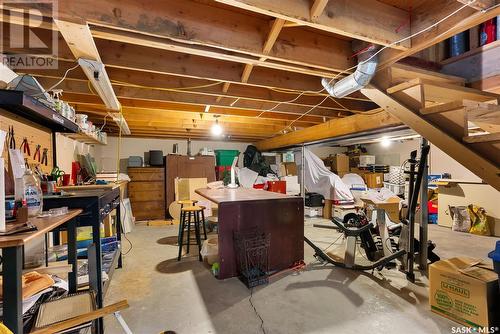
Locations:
(244, 209)
(12, 263)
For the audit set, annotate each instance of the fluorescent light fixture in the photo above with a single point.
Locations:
(385, 142)
(207, 108)
(216, 128)
(121, 122)
(96, 73)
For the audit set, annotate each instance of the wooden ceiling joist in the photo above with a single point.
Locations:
(157, 85)
(366, 20)
(193, 23)
(330, 129)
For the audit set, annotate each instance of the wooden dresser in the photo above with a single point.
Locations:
(146, 192)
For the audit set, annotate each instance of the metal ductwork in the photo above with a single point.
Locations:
(367, 66)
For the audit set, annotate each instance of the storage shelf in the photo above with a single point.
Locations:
(471, 52)
(30, 108)
(82, 137)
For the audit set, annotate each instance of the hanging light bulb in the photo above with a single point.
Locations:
(216, 128)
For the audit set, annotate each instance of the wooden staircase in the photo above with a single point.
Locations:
(461, 121)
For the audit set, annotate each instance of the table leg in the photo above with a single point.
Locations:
(119, 233)
(12, 297)
(96, 236)
(72, 256)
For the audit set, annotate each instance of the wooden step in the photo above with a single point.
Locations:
(434, 91)
(485, 138)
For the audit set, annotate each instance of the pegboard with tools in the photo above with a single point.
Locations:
(34, 141)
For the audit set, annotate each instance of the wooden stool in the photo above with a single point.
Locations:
(188, 202)
(190, 214)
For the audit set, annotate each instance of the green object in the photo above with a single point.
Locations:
(225, 157)
(56, 173)
(215, 268)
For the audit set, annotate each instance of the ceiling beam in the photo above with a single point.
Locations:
(367, 20)
(82, 103)
(331, 129)
(159, 83)
(199, 24)
(479, 4)
(317, 8)
(79, 92)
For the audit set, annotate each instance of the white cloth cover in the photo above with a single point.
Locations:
(351, 179)
(320, 180)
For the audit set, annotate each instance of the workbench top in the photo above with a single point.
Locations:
(224, 195)
(44, 225)
(110, 185)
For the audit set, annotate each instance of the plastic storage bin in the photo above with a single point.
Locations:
(225, 157)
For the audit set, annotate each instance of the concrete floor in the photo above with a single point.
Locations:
(184, 296)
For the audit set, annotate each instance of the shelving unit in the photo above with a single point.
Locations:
(30, 108)
(82, 137)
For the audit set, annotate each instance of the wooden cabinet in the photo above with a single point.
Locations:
(146, 192)
(183, 166)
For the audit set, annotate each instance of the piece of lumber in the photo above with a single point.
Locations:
(478, 4)
(317, 8)
(397, 105)
(73, 322)
(490, 137)
(331, 129)
(370, 21)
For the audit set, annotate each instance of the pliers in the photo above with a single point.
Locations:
(44, 156)
(25, 146)
(36, 155)
(12, 139)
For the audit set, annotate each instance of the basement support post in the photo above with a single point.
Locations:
(302, 173)
(424, 219)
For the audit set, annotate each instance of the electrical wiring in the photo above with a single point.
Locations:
(59, 82)
(368, 59)
(175, 89)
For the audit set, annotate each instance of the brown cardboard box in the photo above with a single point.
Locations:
(340, 163)
(464, 290)
(391, 207)
(374, 180)
(288, 169)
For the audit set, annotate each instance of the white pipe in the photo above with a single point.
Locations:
(367, 66)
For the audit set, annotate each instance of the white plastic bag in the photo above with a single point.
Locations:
(461, 218)
(210, 250)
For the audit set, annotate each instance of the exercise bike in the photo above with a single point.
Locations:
(383, 244)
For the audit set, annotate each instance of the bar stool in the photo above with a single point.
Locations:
(190, 214)
(188, 202)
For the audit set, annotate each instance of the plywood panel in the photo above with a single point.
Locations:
(33, 132)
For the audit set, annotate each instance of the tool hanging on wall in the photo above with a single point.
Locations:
(44, 156)
(36, 155)
(12, 139)
(25, 146)
(26, 164)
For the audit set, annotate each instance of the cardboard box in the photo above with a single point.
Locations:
(340, 163)
(464, 290)
(391, 207)
(374, 180)
(288, 169)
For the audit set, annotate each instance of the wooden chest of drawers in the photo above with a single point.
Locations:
(146, 192)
